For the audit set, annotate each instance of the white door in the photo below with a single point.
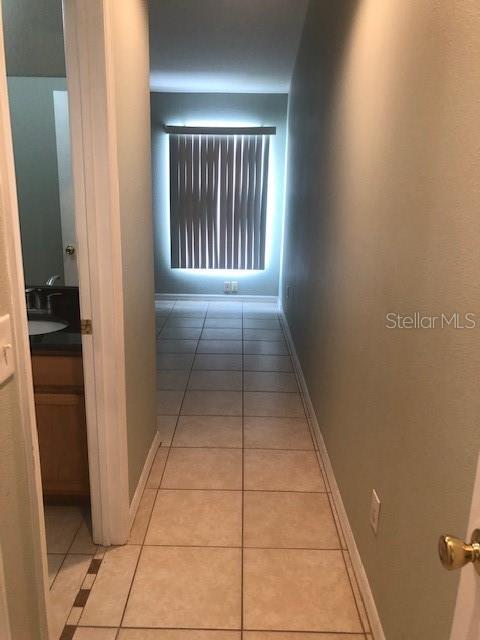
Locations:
(65, 183)
(466, 621)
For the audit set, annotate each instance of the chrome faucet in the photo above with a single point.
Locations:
(51, 281)
(38, 302)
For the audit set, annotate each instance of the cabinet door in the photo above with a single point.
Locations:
(63, 443)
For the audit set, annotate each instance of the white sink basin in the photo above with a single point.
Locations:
(39, 327)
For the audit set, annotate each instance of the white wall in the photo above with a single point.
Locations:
(237, 109)
(129, 37)
(34, 145)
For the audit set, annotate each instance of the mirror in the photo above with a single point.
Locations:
(38, 98)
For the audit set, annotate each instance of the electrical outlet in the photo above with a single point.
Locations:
(374, 511)
(234, 286)
(227, 287)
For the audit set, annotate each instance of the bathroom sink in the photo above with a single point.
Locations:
(40, 326)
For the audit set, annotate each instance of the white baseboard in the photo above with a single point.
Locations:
(359, 569)
(224, 297)
(137, 496)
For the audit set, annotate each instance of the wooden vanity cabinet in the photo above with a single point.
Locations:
(61, 425)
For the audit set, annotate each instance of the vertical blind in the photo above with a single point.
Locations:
(218, 200)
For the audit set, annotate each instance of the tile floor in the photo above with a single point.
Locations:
(236, 535)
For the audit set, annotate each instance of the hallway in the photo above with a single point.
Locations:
(235, 530)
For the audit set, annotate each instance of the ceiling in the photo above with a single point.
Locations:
(242, 46)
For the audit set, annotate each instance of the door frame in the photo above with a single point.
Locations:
(466, 619)
(23, 367)
(97, 215)
(97, 220)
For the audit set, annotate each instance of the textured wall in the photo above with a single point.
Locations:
(129, 24)
(383, 216)
(185, 108)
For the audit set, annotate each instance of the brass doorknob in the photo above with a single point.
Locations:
(455, 554)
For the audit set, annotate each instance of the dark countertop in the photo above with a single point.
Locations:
(64, 307)
(56, 343)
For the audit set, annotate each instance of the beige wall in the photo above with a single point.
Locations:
(384, 216)
(16, 527)
(129, 31)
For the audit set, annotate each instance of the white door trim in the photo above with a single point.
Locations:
(466, 619)
(23, 368)
(97, 208)
(5, 631)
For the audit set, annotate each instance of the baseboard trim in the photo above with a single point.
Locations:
(358, 568)
(226, 297)
(137, 496)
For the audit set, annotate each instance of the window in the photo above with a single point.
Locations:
(218, 197)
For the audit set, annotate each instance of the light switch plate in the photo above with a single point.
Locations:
(6, 349)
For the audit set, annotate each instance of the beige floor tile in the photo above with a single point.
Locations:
(174, 360)
(282, 471)
(65, 589)
(158, 466)
(190, 307)
(54, 563)
(176, 346)
(75, 613)
(186, 587)
(166, 427)
(92, 633)
(289, 521)
(179, 321)
(61, 524)
(209, 431)
(219, 346)
(180, 333)
(263, 334)
(283, 405)
(261, 323)
(178, 634)
(110, 590)
(270, 381)
(172, 380)
(169, 402)
(196, 518)
(258, 362)
(223, 323)
(265, 347)
(218, 361)
(298, 590)
(83, 542)
(216, 380)
(219, 314)
(260, 310)
(221, 333)
(291, 635)
(212, 403)
(277, 433)
(356, 591)
(203, 469)
(142, 517)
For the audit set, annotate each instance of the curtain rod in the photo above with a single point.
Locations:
(219, 131)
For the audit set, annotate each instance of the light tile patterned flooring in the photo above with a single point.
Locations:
(236, 535)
